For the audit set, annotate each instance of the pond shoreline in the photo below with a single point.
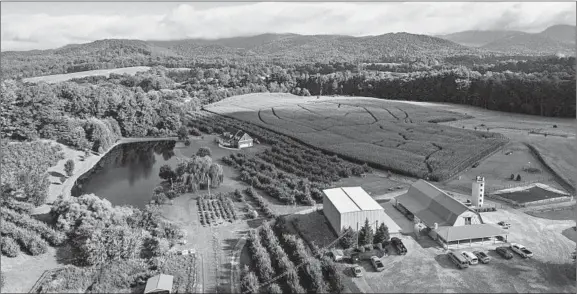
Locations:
(82, 167)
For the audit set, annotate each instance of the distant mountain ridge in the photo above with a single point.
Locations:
(554, 39)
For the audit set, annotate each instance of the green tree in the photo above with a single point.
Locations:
(182, 133)
(69, 167)
(348, 238)
(166, 173)
(518, 179)
(203, 151)
(366, 234)
(382, 234)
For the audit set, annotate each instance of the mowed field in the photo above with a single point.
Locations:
(389, 134)
(76, 75)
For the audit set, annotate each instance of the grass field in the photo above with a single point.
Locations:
(515, 158)
(553, 138)
(82, 74)
(389, 134)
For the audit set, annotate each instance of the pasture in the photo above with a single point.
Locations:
(387, 134)
(82, 74)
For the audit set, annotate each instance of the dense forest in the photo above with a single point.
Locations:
(91, 113)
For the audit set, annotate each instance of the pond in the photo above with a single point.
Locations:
(128, 173)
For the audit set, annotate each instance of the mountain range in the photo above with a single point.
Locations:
(554, 39)
(114, 53)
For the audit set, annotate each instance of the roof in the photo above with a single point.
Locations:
(450, 233)
(431, 205)
(351, 199)
(159, 282)
(533, 193)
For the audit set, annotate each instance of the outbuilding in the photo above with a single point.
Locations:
(159, 284)
(351, 206)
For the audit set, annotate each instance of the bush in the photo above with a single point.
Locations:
(55, 238)
(187, 142)
(9, 247)
(27, 239)
(512, 177)
(274, 288)
(69, 167)
(204, 151)
(518, 179)
(195, 132)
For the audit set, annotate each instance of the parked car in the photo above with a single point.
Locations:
(458, 260)
(504, 225)
(482, 256)
(471, 258)
(504, 252)
(521, 250)
(354, 258)
(398, 244)
(336, 255)
(357, 270)
(377, 263)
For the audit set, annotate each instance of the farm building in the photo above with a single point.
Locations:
(448, 220)
(351, 206)
(237, 139)
(159, 284)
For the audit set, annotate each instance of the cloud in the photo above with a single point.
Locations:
(42, 31)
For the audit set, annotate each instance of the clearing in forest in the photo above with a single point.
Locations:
(388, 134)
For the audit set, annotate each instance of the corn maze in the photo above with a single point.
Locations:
(391, 135)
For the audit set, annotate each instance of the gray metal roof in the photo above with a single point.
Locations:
(467, 232)
(159, 283)
(350, 199)
(431, 205)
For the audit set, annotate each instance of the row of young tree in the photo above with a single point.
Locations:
(365, 236)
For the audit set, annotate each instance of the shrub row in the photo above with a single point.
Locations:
(53, 237)
(28, 240)
(311, 272)
(260, 256)
(9, 247)
(248, 281)
(18, 206)
(262, 204)
(280, 259)
(331, 275)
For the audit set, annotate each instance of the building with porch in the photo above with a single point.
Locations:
(447, 220)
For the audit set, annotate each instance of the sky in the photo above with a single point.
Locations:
(42, 25)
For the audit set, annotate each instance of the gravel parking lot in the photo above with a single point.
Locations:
(426, 267)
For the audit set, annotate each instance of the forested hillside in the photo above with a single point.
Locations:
(280, 49)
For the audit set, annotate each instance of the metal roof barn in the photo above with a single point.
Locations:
(351, 206)
(159, 284)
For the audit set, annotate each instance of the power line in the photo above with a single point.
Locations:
(321, 251)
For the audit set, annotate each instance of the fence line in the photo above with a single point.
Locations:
(35, 288)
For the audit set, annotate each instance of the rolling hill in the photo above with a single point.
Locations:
(554, 39)
(114, 53)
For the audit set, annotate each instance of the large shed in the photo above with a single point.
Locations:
(351, 206)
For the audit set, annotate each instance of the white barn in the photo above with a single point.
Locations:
(351, 206)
